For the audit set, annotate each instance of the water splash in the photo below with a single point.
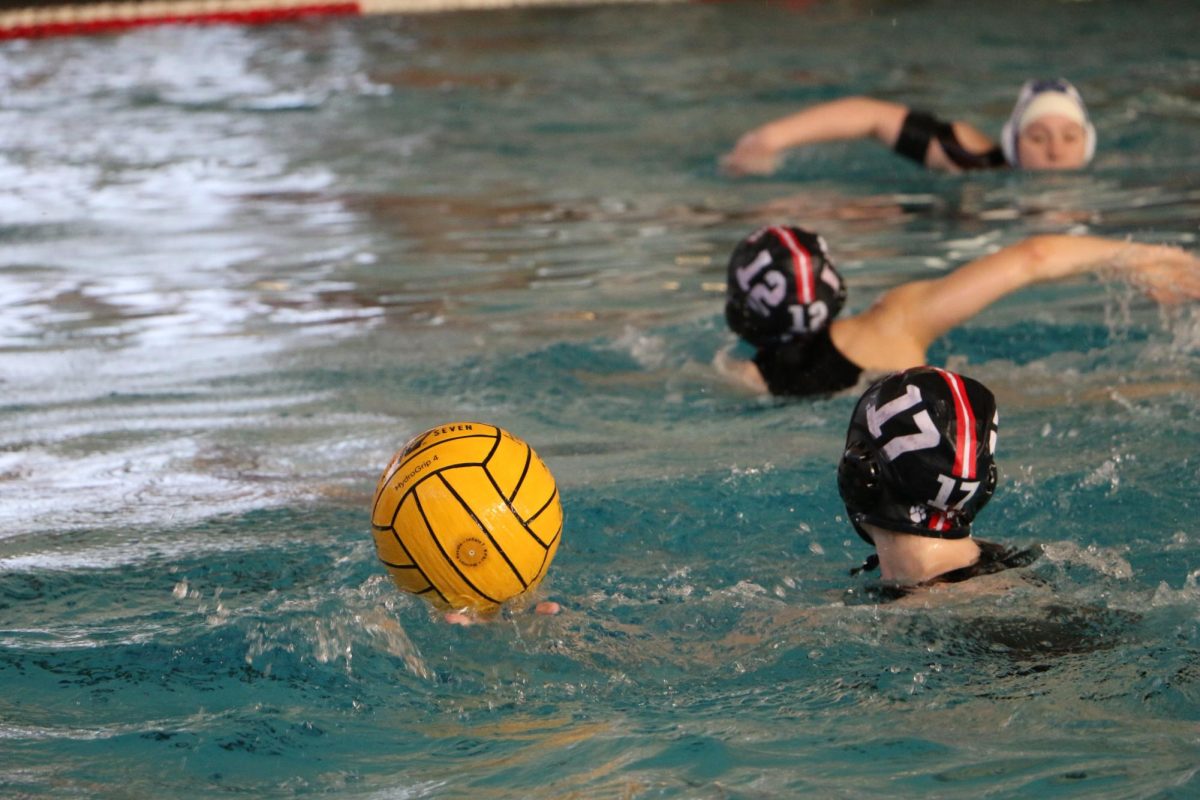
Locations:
(1107, 561)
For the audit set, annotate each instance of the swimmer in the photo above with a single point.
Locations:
(1049, 128)
(784, 294)
(919, 464)
(918, 467)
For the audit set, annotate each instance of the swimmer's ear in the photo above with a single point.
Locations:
(860, 485)
(858, 476)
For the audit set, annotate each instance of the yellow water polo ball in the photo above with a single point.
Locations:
(467, 516)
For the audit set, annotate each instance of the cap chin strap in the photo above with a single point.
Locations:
(870, 565)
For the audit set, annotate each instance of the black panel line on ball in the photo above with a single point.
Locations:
(424, 478)
(378, 497)
(549, 502)
(546, 554)
(416, 566)
(524, 472)
(556, 535)
(495, 447)
(524, 522)
(414, 453)
(410, 457)
(486, 532)
(445, 555)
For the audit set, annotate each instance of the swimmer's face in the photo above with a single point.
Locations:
(1052, 142)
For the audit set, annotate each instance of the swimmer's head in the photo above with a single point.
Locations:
(919, 454)
(781, 285)
(1049, 128)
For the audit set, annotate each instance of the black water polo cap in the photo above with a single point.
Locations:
(781, 285)
(920, 454)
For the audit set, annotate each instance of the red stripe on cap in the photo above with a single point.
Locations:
(801, 263)
(964, 424)
(938, 522)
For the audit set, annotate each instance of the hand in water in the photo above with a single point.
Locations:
(1166, 274)
(750, 156)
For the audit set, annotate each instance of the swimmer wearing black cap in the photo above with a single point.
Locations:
(919, 464)
(1049, 128)
(783, 296)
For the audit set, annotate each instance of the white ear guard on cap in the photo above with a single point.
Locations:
(1041, 97)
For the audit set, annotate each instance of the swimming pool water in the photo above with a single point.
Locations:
(241, 266)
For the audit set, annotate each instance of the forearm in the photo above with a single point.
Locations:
(1165, 273)
(899, 327)
(933, 307)
(1038, 259)
(1055, 257)
(927, 309)
(847, 118)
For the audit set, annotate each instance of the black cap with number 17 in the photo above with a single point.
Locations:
(920, 454)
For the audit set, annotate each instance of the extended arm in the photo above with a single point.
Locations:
(758, 151)
(896, 332)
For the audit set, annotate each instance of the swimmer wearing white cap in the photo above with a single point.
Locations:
(1049, 128)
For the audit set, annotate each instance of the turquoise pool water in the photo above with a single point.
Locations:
(240, 267)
